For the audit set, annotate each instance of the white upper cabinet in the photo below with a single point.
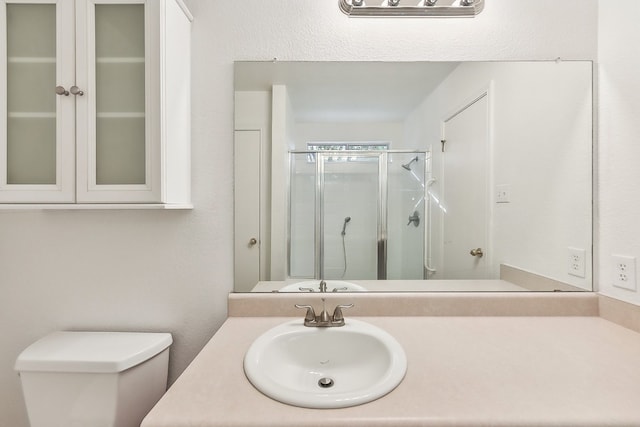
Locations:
(95, 102)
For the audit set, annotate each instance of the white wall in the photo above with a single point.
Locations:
(619, 137)
(172, 270)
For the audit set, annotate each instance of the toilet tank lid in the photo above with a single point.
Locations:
(91, 352)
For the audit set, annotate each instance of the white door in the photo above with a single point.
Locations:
(247, 209)
(465, 191)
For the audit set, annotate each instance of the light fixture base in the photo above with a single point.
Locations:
(352, 9)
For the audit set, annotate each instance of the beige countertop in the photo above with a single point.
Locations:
(462, 371)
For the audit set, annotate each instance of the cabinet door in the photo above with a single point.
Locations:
(116, 158)
(37, 126)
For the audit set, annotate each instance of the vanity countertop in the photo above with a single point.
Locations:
(462, 371)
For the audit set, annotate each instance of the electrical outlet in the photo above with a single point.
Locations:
(576, 262)
(624, 272)
(503, 193)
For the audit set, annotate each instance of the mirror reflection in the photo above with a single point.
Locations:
(421, 176)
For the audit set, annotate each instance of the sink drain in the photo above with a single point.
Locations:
(325, 382)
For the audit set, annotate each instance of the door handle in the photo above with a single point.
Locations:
(477, 252)
(253, 241)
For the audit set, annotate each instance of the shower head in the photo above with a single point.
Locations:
(344, 225)
(407, 166)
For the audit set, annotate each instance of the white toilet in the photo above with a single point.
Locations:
(93, 379)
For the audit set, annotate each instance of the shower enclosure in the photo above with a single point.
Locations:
(358, 215)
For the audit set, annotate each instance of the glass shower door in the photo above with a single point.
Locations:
(351, 215)
(358, 216)
(407, 218)
(302, 217)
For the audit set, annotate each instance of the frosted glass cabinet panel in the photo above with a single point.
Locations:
(97, 102)
(120, 94)
(31, 75)
(36, 136)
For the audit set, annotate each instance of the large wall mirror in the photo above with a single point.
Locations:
(413, 176)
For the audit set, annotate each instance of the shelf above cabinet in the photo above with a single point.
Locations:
(120, 60)
(30, 60)
(123, 115)
(35, 115)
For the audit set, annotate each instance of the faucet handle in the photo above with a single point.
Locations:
(337, 313)
(311, 314)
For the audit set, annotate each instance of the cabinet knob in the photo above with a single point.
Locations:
(75, 90)
(253, 241)
(60, 90)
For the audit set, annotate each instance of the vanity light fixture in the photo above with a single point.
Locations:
(426, 8)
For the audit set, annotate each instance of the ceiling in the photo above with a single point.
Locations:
(346, 91)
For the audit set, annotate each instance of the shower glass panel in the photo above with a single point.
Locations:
(407, 220)
(349, 210)
(302, 216)
(358, 216)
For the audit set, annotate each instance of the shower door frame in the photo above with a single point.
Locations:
(382, 211)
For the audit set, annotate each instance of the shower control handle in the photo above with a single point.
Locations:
(477, 252)
(253, 241)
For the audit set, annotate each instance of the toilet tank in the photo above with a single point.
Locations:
(93, 379)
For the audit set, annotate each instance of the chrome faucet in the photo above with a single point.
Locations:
(322, 287)
(323, 320)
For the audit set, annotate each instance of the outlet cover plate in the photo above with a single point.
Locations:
(503, 193)
(624, 272)
(576, 262)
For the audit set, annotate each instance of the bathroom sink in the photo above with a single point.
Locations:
(313, 286)
(315, 367)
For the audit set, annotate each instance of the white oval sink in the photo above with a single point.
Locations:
(314, 286)
(315, 367)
